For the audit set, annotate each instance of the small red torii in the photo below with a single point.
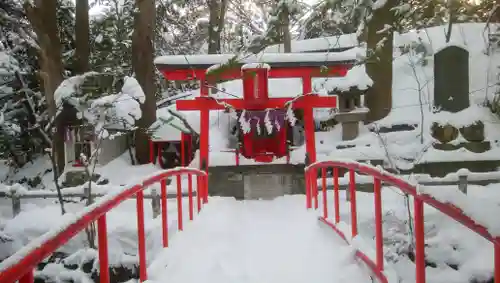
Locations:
(255, 70)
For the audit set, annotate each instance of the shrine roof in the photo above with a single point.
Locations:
(167, 127)
(276, 60)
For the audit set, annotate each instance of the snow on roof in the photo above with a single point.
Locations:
(167, 127)
(468, 33)
(355, 77)
(213, 59)
(314, 44)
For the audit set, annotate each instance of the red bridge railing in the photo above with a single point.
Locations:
(377, 265)
(21, 265)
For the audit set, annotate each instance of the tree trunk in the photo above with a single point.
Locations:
(216, 24)
(220, 22)
(82, 32)
(285, 30)
(42, 16)
(379, 65)
(143, 66)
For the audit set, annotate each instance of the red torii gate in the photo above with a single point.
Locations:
(255, 79)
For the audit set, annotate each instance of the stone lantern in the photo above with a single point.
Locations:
(351, 112)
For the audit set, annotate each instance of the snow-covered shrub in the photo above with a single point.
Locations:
(103, 100)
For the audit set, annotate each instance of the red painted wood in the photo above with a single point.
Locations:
(210, 103)
(255, 85)
(102, 238)
(28, 277)
(198, 193)
(179, 203)
(205, 188)
(325, 198)
(141, 236)
(164, 212)
(379, 238)
(497, 260)
(176, 74)
(418, 214)
(183, 149)
(336, 200)
(204, 130)
(190, 196)
(255, 81)
(352, 194)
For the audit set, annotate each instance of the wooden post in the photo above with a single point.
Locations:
(462, 183)
(204, 129)
(16, 204)
(309, 124)
(155, 203)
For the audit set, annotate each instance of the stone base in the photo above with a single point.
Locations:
(256, 181)
(441, 169)
(476, 147)
(78, 178)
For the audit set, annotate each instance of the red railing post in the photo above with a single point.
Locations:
(190, 196)
(308, 189)
(205, 185)
(141, 236)
(336, 194)
(496, 265)
(205, 190)
(28, 277)
(314, 175)
(352, 194)
(418, 215)
(102, 238)
(199, 185)
(325, 199)
(183, 149)
(379, 240)
(179, 202)
(164, 212)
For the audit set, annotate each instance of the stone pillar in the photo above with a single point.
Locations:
(350, 113)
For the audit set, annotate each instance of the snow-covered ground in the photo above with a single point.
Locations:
(257, 241)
